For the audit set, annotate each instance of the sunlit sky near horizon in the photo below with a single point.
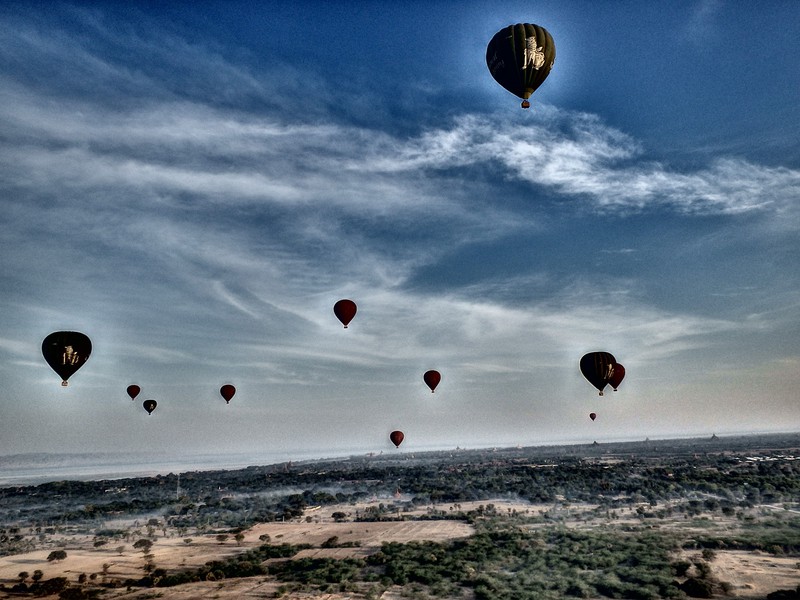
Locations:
(194, 185)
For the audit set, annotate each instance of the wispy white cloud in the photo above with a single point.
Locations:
(176, 144)
(578, 155)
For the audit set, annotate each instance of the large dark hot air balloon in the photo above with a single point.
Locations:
(227, 391)
(65, 352)
(520, 57)
(617, 375)
(345, 310)
(597, 367)
(592, 416)
(149, 406)
(397, 438)
(432, 379)
(133, 391)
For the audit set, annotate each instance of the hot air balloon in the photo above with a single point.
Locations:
(432, 379)
(520, 57)
(592, 416)
(397, 438)
(597, 367)
(345, 310)
(617, 375)
(133, 391)
(227, 391)
(149, 406)
(65, 352)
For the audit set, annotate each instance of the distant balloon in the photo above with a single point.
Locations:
(597, 367)
(133, 391)
(227, 391)
(345, 310)
(397, 438)
(520, 57)
(65, 352)
(592, 416)
(432, 379)
(149, 406)
(617, 375)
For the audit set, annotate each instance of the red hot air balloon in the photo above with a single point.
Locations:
(617, 375)
(397, 438)
(133, 391)
(345, 310)
(66, 352)
(227, 391)
(149, 406)
(597, 367)
(432, 379)
(592, 416)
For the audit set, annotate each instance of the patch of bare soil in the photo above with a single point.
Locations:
(175, 553)
(365, 534)
(754, 574)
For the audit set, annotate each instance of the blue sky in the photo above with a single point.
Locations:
(194, 185)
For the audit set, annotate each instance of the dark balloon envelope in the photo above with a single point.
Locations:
(149, 406)
(592, 416)
(397, 438)
(520, 58)
(66, 352)
(227, 391)
(432, 379)
(345, 310)
(133, 391)
(617, 375)
(597, 368)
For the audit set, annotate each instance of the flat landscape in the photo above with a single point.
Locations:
(643, 523)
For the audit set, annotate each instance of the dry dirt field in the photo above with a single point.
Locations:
(174, 553)
(752, 574)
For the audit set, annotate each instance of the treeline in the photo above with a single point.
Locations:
(710, 481)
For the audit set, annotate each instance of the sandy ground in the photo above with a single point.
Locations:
(173, 553)
(752, 574)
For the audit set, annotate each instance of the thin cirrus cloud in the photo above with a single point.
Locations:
(577, 155)
(178, 150)
(171, 144)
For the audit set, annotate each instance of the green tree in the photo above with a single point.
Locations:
(144, 545)
(56, 555)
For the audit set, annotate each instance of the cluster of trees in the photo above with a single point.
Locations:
(502, 561)
(607, 475)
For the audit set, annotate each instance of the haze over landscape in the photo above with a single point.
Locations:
(194, 185)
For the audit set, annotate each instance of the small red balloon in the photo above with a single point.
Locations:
(397, 438)
(227, 391)
(133, 391)
(432, 379)
(617, 375)
(345, 310)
